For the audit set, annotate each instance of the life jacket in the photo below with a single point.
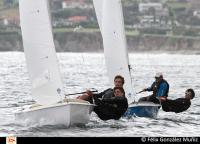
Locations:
(156, 86)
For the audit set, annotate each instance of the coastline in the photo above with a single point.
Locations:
(92, 42)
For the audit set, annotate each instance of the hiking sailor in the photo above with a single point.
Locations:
(105, 99)
(178, 105)
(111, 107)
(118, 82)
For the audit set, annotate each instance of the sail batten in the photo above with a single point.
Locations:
(40, 51)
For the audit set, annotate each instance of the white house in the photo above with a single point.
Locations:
(143, 7)
(196, 13)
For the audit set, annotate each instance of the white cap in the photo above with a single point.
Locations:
(159, 74)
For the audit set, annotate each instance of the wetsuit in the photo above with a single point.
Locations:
(110, 106)
(108, 93)
(177, 105)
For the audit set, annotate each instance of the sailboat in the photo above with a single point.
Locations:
(111, 23)
(47, 88)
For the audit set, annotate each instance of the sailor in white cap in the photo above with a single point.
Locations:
(158, 74)
(160, 88)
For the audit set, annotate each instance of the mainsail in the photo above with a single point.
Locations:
(98, 6)
(110, 18)
(40, 51)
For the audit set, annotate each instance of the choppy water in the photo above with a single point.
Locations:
(82, 71)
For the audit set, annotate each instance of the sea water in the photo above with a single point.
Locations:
(81, 71)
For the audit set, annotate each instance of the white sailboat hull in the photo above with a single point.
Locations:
(67, 113)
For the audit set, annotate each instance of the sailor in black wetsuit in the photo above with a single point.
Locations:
(118, 82)
(108, 99)
(180, 104)
(111, 106)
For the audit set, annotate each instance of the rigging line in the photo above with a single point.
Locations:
(132, 78)
(84, 65)
(81, 63)
(83, 60)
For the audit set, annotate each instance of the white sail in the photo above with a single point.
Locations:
(111, 23)
(98, 6)
(40, 51)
